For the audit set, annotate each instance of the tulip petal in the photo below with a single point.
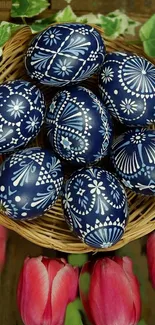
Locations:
(151, 257)
(110, 301)
(134, 285)
(3, 240)
(32, 291)
(53, 267)
(84, 285)
(64, 291)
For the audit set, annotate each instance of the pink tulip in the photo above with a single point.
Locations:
(112, 296)
(151, 257)
(45, 289)
(3, 241)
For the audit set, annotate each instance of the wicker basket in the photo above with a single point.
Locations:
(50, 230)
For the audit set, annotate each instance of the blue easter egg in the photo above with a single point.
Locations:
(95, 207)
(22, 109)
(30, 183)
(65, 53)
(127, 86)
(133, 156)
(79, 127)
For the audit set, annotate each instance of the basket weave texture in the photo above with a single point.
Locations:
(51, 230)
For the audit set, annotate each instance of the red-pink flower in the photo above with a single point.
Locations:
(45, 289)
(151, 257)
(3, 241)
(112, 296)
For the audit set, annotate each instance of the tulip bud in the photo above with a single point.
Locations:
(3, 241)
(112, 296)
(151, 257)
(45, 289)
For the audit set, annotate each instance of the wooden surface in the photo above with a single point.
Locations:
(18, 248)
(136, 7)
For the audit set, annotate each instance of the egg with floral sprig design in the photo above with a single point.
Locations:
(95, 207)
(22, 109)
(127, 86)
(30, 183)
(133, 157)
(65, 53)
(79, 127)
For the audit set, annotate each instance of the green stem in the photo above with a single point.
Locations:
(24, 20)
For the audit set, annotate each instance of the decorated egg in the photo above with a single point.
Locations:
(133, 156)
(65, 53)
(79, 127)
(30, 183)
(22, 109)
(127, 86)
(95, 207)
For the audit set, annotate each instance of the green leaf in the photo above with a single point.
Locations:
(66, 15)
(84, 282)
(149, 47)
(28, 8)
(7, 30)
(40, 24)
(147, 36)
(142, 322)
(110, 26)
(117, 23)
(147, 30)
(89, 18)
(73, 313)
(132, 25)
(77, 259)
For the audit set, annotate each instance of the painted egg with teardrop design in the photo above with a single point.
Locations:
(95, 207)
(30, 183)
(79, 127)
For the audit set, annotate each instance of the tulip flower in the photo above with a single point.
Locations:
(151, 257)
(110, 292)
(3, 241)
(45, 289)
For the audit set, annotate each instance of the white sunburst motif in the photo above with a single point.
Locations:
(125, 163)
(16, 108)
(128, 106)
(138, 137)
(139, 75)
(104, 237)
(52, 37)
(32, 124)
(107, 75)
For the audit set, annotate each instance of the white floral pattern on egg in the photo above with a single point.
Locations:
(64, 54)
(95, 207)
(22, 109)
